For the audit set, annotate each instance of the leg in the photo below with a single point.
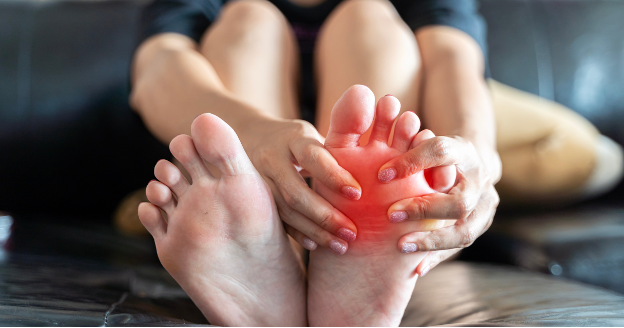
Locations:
(235, 262)
(366, 42)
(550, 154)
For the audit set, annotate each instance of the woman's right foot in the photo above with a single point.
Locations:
(372, 283)
(223, 241)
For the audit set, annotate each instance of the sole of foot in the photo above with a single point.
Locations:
(221, 238)
(372, 283)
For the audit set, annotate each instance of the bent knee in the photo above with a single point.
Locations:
(358, 12)
(260, 14)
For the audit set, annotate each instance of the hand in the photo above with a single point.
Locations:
(471, 202)
(283, 151)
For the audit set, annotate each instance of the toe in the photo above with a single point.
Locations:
(183, 149)
(152, 219)
(351, 116)
(160, 195)
(406, 128)
(219, 145)
(388, 108)
(170, 175)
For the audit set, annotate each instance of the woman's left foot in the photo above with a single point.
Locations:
(371, 284)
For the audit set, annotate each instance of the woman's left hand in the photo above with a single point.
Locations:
(472, 201)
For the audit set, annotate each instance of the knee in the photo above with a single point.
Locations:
(259, 15)
(359, 14)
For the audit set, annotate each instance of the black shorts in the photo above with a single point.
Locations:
(193, 17)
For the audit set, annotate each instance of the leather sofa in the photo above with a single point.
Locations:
(71, 148)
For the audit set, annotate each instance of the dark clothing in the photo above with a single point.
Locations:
(193, 17)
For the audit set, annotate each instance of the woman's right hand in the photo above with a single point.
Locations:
(283, 152)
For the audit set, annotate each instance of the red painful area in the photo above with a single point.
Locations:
(370, 212)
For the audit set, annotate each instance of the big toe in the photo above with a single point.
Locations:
(351, 117)
(219, 145)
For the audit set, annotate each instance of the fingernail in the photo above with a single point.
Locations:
(424, 271)
(346, 234)
(338, 247)
(309, 244)
(387, 174)
(409, 248)
(351, 193)
(398, 216)
(388, 95)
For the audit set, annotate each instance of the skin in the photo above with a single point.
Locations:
(372, 283)
(175, 79)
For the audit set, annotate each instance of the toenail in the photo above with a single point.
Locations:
(346, 234)
(338, 247)
(388, 95)
(309, 244)
(409, 248)
(351, 193)
(387, 174)
(398, 216)
(424, 271)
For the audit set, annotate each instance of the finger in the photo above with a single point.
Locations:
(456, 205)
(351, 116)
(387, 110)
(441, 178)
(406, 128)
(438, 151)
(300, 238)
(336, 241)
(315, 159)
(432, 259)
(460, 235)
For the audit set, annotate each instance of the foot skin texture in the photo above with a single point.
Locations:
(222, 239)
(371, 284)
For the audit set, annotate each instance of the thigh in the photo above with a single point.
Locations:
(365, 42)
(254, 52)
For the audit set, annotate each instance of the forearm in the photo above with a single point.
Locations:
(172, 83)
(456, 100)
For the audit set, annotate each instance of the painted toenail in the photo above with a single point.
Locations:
(398, 216)
(387, 174)
(409, 248)
(309, 244)
(338, 247)
(424, 271)
(351, 193)
(346, 234)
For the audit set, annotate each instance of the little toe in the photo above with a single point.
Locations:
(388, 108)
(422, 136)
(183, 149)
(152, 220)
(219, 145)
(406, 128)
(160, 195)
(351, 117)
(170, 175)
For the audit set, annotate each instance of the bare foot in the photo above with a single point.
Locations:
(372, 283)
(223, 241)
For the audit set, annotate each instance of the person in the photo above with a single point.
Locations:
(243, 60)
(244, 68)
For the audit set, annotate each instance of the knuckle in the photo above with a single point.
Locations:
(309, 153)
(463, 208)
(325, 218)
(439, 148)
(468, 237)
(303, 128)
(418, 208)
(433, 242)
(294, 199)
